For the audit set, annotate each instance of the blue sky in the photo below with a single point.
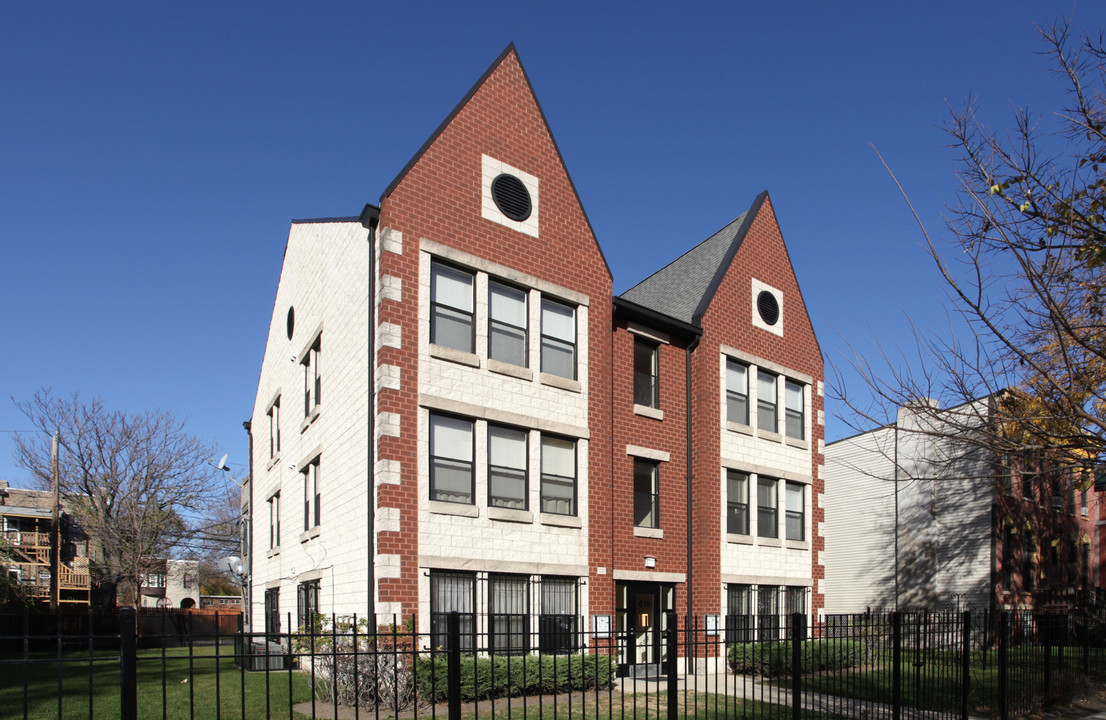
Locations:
(152, 156)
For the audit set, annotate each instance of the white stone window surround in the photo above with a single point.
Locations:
(536, 289)
(755, 471)
(754, 363)
(757, 288)
(535, 427)
(481, 569)
(490, 169)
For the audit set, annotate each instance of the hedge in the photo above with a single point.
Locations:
(774, 658)
(485, 678)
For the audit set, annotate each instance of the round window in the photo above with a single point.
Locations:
(291, 321)
(511, 197)
(768, 308)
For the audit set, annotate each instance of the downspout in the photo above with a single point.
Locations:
(370, 218)
(896, 484)
(690, 476)
(249, 534)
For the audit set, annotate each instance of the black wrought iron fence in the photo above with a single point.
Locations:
(930, 664)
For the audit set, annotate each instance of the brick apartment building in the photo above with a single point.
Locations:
(454, 413)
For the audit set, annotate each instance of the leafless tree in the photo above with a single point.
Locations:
(137, 483)
(1024, 270)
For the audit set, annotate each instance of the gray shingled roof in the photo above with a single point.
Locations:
(678, 289)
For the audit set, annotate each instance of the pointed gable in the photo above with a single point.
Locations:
(497, 129)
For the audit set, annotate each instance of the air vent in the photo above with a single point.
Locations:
(291, 324)
(511, 197)
(768, 308)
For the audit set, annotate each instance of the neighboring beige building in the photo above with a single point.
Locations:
(171, 584)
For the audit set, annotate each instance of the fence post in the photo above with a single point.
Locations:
(896, 666)
(1048, 661)
(453, 675)
(965, 670)
(1003, 669)
(796, 665)
(1086, 643)
(128, 658)
(671, 650)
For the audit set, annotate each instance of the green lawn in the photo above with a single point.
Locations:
(185, 693)
(932, 681)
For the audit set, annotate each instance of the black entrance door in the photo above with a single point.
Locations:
(642, 618)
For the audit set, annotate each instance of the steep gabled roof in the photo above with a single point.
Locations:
(684, 288)
(507, 52)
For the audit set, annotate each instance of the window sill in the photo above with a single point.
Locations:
(649, 532)
(273, 462)
(649, 412)
(454, 355)
(769, 542)
(310, 534)
(437, 507)
(273, 552)
(798, 544)
(569, 521)
(307, 421)
(559, 382)
(510, 515)
(797, 443)
(505, 368)
(739, 428)
(769, 435)
(739, 539)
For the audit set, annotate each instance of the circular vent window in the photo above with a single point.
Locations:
(768, 308)
(291, 321)
(511, 197)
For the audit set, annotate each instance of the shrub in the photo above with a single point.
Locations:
(375, 670)
(485, 678)
(774, 658)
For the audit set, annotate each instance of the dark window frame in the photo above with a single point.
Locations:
(766, 511)
(561, 479)
(735, 397)
(737, 511)
(647, 373)
(507, 327)
(552, 342)
(436, 460)
(452, 312)
(502, 470)
(647, 501)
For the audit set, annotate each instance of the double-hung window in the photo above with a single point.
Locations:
(312, 498)
(557, 624)
(737, 502)
(507, 454)
(274, 429)
(796, 603)
(507, 337)
(739, 613)
(307, 603)
(272, 611)
(452, 303)
(452, 592)
(767, 504)
(766, 401)
(796, 511)
(646, 374)
(558, 339)
(509, 607)
(274, 521)
(312, 377)
(646, 494)
(558, 475)
(794, 421)
(451, 459)
(768, 612)
(737, 392)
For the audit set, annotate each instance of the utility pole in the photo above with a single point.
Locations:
(55, 541)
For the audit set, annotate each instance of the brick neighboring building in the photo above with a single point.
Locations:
(455, 413)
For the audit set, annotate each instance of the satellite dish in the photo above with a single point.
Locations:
(222, 463)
